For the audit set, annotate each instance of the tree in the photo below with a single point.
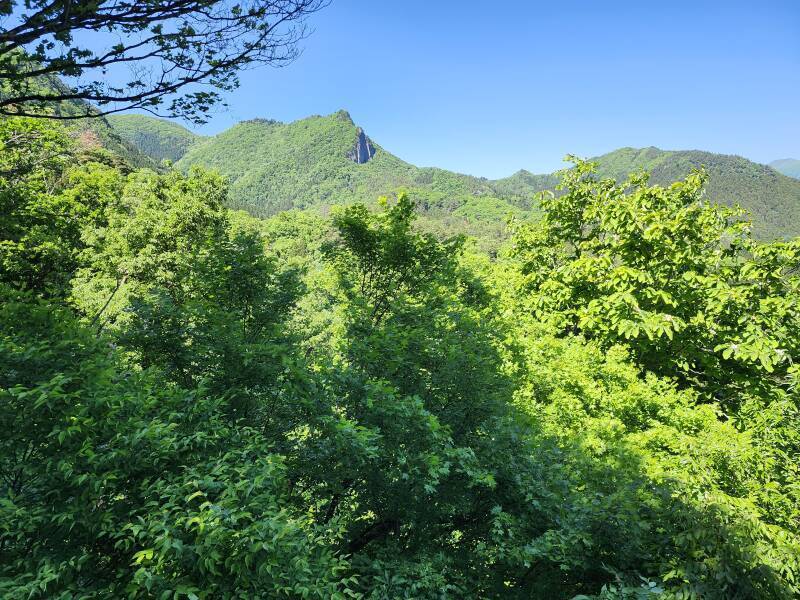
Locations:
(169, 47)
(40, 232)
(113, 484)
(420, 375)
(185, 289)
(679, 280)
(380, 259)
(164, 434)
(645, 487)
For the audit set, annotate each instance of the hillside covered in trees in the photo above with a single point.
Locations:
(200, 403)
(276, 166)
(771, 199)
(157, 138)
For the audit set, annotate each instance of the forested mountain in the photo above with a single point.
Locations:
(157, 138)
(314, 162)
(788, 166)
(772, 199)
(336, 394)
(275, 166)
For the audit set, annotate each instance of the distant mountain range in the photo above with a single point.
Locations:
(787, 166)
(326, 160)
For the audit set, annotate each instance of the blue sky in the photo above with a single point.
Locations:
(489, 88)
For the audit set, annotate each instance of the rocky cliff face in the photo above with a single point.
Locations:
(363, 149)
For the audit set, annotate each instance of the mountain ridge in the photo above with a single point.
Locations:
(788, 166)
(275, 166)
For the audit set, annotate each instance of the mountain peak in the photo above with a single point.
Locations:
(325, 160)
(343, 115)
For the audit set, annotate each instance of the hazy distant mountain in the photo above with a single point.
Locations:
(324, 160)
(787, 166)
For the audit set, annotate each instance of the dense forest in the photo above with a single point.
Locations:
(158, 139)
(199, 403)
(272, 364)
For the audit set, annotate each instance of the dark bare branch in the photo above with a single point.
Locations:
(180, 55)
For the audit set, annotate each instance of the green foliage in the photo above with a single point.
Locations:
(522, 186)
(274, 166)
(379, 259)
(116, 485)
(195, 403)
(157, 138)
(45, 204)
(651, 484)
(679, 280)
(770, 199)
(420, 368)
(94, 137)
(187, 290)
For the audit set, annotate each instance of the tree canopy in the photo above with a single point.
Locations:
(197, 403)
(679, 279)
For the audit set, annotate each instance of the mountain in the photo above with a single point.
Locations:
(772, 199)
(158, 138)
(522, 186)
(788, 166)
(326, 160)
(319, 160)
(97, 133)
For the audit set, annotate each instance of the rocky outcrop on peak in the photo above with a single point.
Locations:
(363, 149)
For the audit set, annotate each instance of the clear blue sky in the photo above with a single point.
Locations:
(489, 88)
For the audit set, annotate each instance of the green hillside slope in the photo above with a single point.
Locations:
(274, 166)
(788, 166)
(158, 138)
(93, 134)
(98, 133)
(312, 162)
(522, 186)
(772, 199)
(277, 166)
